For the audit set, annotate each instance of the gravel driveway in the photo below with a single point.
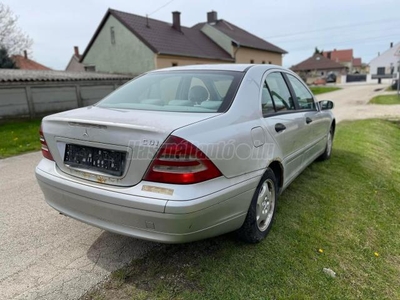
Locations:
(44, 255)
(351, 103)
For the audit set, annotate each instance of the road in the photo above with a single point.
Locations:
(351, 103)
(44, 255)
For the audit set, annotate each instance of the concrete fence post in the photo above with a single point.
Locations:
(78, 95)
(29, 100)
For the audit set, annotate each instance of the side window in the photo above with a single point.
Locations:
(267, 105)
(304, 97)
(279, 92)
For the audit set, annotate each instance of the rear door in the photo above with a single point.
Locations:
(315, 121)
(284, 122)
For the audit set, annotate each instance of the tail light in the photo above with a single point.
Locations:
(45, 149)
(180, 162)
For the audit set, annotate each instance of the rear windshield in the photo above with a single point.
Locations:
(177, 91)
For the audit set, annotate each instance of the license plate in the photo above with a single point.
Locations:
(96, 159)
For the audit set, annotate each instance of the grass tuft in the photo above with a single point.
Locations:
(385, 99)
(323, 89)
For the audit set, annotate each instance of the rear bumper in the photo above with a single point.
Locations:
(154, 219)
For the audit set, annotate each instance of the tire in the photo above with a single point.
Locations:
(328, 149)
(262, 209)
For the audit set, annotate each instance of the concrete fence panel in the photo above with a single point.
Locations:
(13, 102)
(35, 93)
(92, 94)
(47, 100)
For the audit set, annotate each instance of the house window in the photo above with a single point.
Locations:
(174, 64)
(90, 68)
(381, 70)
(252, 61)
(263, 62)
(112, 32)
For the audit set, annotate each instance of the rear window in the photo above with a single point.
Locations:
(177, 91)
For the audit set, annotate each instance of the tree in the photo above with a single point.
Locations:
(317, 51)
(5, 60)
(12, 38)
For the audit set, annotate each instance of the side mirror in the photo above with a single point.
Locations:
(326, 104)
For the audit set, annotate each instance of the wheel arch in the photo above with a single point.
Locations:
(277, 168)
(333, 127)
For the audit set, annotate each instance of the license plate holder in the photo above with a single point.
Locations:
(96, 159)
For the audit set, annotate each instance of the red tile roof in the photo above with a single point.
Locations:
(27, 64)
(316, 62)
(339, 55)
(357, 62)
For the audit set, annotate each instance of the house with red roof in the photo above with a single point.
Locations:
(346, 58)
(133, 44)
(24, 63)
(318, 66)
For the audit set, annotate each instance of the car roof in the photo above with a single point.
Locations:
(215, 67)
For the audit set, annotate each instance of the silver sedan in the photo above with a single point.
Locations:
(185, 153)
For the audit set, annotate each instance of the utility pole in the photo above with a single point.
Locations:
(397, 53)
(398, 79)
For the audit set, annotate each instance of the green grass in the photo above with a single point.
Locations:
(19, 137)
(349, 207)
(385, 99)
(323, 89)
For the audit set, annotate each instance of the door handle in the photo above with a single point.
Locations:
(308, 120)
(279, 127)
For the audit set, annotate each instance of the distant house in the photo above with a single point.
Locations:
(74, 64)
(132, 44)
(24, 63)
(346, 58)
(318, 66)
(385, 65)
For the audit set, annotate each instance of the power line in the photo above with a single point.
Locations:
(161, 7)
(332, 28)
(346, 42)
(347, 34)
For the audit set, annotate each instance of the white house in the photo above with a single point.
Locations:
(386, 64)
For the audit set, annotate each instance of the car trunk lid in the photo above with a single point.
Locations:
(111, 146)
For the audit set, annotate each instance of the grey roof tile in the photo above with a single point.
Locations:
(15, 75)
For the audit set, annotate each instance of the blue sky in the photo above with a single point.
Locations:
(367, 26)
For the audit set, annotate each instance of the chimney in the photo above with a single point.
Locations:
(212, 17)
(391, 45)
(25, 54)
(76, 50)
(176, 20)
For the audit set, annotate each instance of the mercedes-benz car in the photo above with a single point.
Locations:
(185, 153)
